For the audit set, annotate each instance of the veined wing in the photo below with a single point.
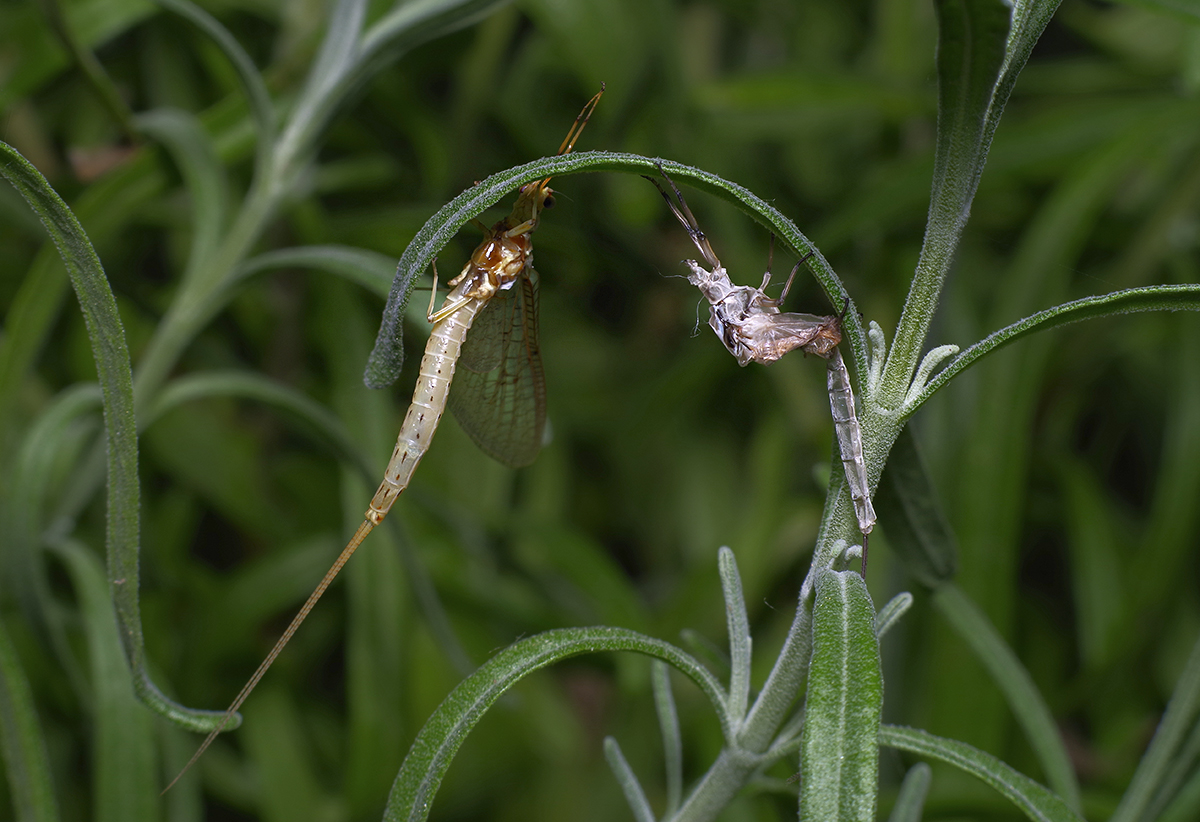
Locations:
(499, 390)
(769, 336)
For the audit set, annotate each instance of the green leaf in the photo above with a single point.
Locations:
(1014, 682)
(246, 385)
(411, 23)
(349, 57)
(972, 39)
(22, 741)
(1126, 301)
(316, 101)
(435, 746)
(1186, 804)
(635, 797)
(105, 208)
(34, 56)
(908, 507)
(37, 480)
(1182, 713)
(1175, 786)
(890, 613)
(107, 338)
(740, 643)
(252, 84)
(1035, 801)
(982, 47)
(668, 724)
(123, 748)
(281, 756)
(839, 759)
(911, 799)
(1029, 20)
(388, 355)
(203, 176)
(971, 51)
(370, 269)
(779, 692)
(1094, 538)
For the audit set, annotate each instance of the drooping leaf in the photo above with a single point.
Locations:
(1034, 800)
(1022, 695)
(116, 384)
(445, 731)
(388, 356)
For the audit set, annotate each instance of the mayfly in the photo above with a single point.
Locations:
(753, 329)
(502, 406)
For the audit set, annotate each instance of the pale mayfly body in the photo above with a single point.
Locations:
(753, 329)
(503, 374)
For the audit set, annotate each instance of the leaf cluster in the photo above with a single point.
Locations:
(206, 421)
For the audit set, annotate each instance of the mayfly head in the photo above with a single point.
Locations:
(533, 197)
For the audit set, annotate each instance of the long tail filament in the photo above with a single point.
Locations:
(333, 571)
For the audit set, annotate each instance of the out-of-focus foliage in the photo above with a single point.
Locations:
(1068, 464)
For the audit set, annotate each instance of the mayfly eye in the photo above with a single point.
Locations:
(548, 202)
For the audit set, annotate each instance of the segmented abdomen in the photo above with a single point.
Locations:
(849, 437)
(428, 404)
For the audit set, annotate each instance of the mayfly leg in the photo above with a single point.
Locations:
(687, 219)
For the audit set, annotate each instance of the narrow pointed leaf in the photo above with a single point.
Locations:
(972, 35)
(123, 747)
(738, 624)
(912, 516)
(412, 23)
(971, 52)
(839, 755)
(421, 774)
(1128, 301)
(370, 269)
(1034, 800)
(1022, 695)
(203, 175)
(107, 337)
(911, 799)
(668, 723)
(635, 797)
(252, 84)
(22, 742)
(1181, 714)
(339, 51)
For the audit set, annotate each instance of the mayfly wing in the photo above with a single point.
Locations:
(500, 392)
(767, 337)
(849, 436)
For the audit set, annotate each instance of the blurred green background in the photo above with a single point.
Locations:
(1069, 466)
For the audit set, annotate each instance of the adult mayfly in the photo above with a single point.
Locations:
(502, 402)
(753, 329)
